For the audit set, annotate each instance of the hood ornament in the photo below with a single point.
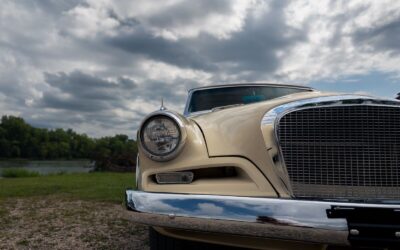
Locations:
(162, 108)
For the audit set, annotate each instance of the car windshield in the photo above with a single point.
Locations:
(208, 99)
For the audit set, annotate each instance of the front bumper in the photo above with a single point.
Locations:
(287, 219)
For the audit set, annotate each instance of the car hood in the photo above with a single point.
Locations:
(228, 131)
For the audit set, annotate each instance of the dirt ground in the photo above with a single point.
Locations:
(57, 223)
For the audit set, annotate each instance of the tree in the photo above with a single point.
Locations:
(5, 148)
(18, 139)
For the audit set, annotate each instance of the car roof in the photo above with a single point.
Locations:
(249, 85)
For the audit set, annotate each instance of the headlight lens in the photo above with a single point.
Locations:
(160, 135)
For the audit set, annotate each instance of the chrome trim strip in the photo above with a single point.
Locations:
(251, 84)
(287, 219)
(270, 118)
(273, 116)
(186, 110)
(180, 121)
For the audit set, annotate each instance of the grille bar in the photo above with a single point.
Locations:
(349, 151)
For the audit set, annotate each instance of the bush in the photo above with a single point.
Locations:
(18, 173)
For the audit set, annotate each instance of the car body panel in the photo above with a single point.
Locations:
(237, 131)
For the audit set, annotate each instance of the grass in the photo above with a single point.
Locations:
(98, 186)
(18, 173)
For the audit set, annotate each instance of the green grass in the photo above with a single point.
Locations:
(17, 173)
(99, 186)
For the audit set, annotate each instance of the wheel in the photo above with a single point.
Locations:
(162, 242)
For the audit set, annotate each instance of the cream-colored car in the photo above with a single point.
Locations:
(269, 166)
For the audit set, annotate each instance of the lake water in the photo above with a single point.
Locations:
(50, 167)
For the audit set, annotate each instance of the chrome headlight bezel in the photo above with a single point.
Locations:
(179, 122)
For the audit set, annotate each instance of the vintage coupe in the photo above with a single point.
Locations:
(270, 166)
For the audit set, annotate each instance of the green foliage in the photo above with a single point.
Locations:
(100, 186)
(18, 173)
(114, 151)
(20, 140)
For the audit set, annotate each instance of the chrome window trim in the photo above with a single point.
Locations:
(273, 116)
(191, 91)
(181, 125)
(186, 110)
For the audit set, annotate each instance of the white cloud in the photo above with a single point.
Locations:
(210, 209)
(331, 50)
(86, 21)
(172, 19)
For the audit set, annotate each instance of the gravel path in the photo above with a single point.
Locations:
(57, 223)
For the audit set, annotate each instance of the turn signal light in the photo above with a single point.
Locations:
(174, 178)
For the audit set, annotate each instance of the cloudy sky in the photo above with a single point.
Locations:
(98, 66)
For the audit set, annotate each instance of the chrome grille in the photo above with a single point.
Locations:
(342, 151)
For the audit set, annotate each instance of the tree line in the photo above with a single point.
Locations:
(18, 139)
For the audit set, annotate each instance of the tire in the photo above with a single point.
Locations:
(162, 242)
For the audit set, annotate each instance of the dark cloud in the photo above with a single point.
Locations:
(84, 93)
(255, 48)
(190, 11)
(160, 49)
(384, 37)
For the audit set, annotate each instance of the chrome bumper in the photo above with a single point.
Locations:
(286, 219)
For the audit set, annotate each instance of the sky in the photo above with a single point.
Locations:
(99, 66)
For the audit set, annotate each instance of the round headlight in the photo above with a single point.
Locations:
(161, 137)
